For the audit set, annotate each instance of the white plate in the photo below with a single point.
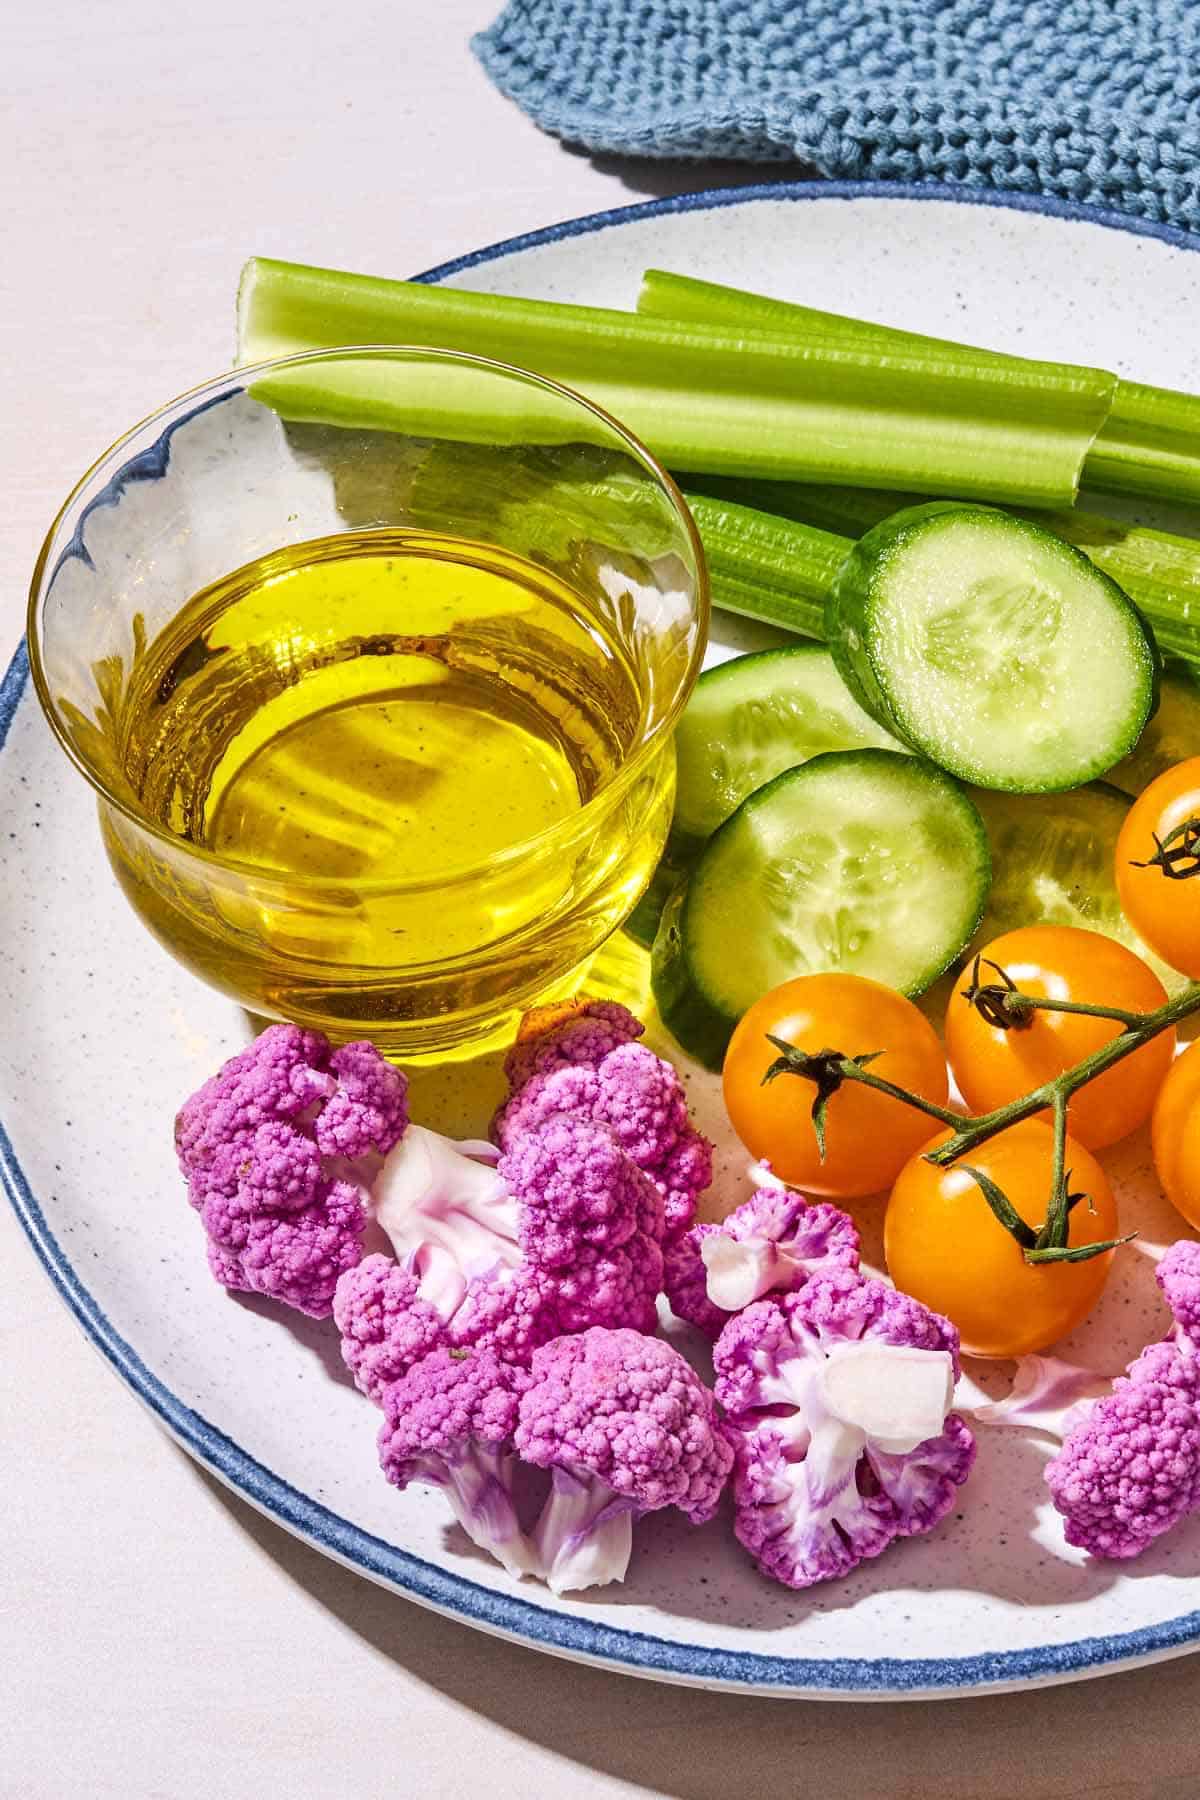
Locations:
(103, 1036)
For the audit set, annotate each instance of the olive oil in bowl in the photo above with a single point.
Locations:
(372, 657)
(376, 732)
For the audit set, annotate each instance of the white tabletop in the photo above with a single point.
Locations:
(157, 1638)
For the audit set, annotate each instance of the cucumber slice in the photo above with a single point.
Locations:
(753, 717)
(1052, 859)
(1052, 863)
(993, 647)
(1172, 735)
(865, 861)
(698, 1026)
(643, 922)
(749, 719)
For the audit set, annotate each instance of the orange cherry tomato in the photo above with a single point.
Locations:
(868, 1136)
(945, 1247)
(1162, 900)
(994, 1065)
(1175, 1133)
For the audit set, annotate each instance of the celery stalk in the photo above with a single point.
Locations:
(768, 568)
(1159, 571)
(1148, 445)
(731, 400)
(667, 296)
(848, 511)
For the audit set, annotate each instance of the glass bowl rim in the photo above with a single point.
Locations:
(525, 847)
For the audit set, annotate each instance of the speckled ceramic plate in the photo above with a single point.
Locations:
(994, 1599)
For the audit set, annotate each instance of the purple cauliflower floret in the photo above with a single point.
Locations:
(298, 1259)
(385, 1325)
(557, 1233)
(591, 1193)
(775, 1241)
(577, 1069)
(276, 1169)
(368, 1110)
(284, 1074)
(1178, 1276)
(277, 1148)
(618, 1286)
(1129, 1467)
(510, 1312)
(625, 1426)
(275, 1225)
(562, 1035)
(276, 1077)
(838, 1398)
(449, 1423)
(682, 1176)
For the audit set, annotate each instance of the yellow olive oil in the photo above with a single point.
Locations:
(373, 732)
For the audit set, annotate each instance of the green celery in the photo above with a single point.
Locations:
(727, 400)
(848, 511)
(1159, 571)
(667, 296)
(767, 568)
(1148, 445)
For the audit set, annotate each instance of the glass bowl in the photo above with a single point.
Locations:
(287, 795)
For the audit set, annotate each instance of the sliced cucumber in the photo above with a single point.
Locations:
(866, 861)
(1052, 858)
(993, 647)
(749, 719)
(753, 717)
(642, 923)
(1052, 864)
(701, 1028)
(1172, 735)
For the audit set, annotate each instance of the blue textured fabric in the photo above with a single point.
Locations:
(1095, 101)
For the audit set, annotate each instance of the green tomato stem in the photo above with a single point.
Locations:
(1055, 1230)
(973, 1132)
(1027, 1003)
(1177, 856)
(1049, 1244)
(852, 1071)
(1007, 1007)
(1003, 1209)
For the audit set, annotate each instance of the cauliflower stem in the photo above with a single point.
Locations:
(741, 1272)
(584, 1535)
(1044, 1396)
(450, 1214)
(477, 1482)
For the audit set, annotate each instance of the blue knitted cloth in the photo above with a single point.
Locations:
(1095, 101)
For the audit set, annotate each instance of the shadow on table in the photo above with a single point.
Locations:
(659, 177)
(683, 1744)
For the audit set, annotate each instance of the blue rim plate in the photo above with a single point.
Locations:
(571, 1635)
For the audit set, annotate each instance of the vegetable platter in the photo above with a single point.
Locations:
(105, 1037)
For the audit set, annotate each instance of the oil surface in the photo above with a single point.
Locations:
(376, 708)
